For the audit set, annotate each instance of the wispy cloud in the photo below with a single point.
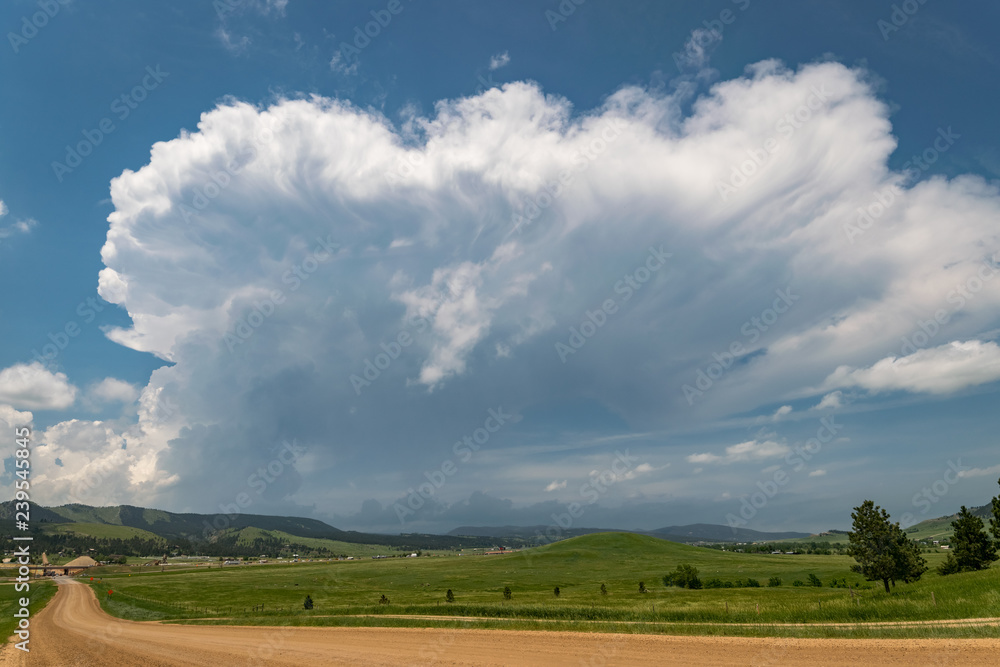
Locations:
(499, 60)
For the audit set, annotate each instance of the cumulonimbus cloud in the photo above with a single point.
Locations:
(479, 236)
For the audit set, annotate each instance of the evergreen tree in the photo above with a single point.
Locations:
(995, 520)
(881, 548)
(973, 548)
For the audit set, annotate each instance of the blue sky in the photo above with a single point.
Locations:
(269, 201)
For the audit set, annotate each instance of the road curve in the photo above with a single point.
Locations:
(73, 630)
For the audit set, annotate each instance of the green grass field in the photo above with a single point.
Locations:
(103, 530)
(247, 536)
(347, 593)
(40, 593)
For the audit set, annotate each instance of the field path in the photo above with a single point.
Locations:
(73, 630)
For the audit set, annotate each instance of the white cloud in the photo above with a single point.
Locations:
(832, 401)
(817, 473)
(23, 226)
(482, 305)
(744, 451)
(11, 418)
(233, 44)
(499, 60)
(34, 387)
(698, 49)
(111, 390)
(556, 485)
(781, 412)
(980, 472)
(340, 65)
(937, 370)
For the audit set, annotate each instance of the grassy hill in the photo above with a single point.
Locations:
(102, 530)
(139, 531)
(347, 593)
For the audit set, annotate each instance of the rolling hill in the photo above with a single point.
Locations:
(697, 532)
(210, 533)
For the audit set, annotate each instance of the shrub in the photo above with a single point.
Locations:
(685, 576)
(556, 591)
(949, 566)
(798, 582)
(814, 580)
(308, 604)
(449, 596)
(642, 587)
(507, 595)
(774, 582)
(752, 583)
(383, 600)
(604, 589)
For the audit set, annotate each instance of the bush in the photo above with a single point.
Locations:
(814, 580)
(556, 591)
(949, 566)
(774, 582)
(752, 583)
(449, 596)
(383, 600)
(798, 582)
(642, 587)
(308, 604)
(604, 589)
(685, 576)
(507, 595)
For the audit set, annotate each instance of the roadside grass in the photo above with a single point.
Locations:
(40, 593)
(344, 592)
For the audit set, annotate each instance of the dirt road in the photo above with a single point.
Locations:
(73, 630)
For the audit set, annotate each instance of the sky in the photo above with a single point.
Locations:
(406, 266)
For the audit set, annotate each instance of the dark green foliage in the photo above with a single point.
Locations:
(839, 583)
(604, 589)
(798, 582)
(752, 583)
(881, 548)
(383, 600)
(507, 594)
(774, 582)
(972, 548)
(642, 587)
(308, 604)
(949, 566)
(685, 576)
(556, 591)
(449, 596)
(995, 519)
(814, 580)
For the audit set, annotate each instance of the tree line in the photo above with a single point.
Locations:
(884, 552)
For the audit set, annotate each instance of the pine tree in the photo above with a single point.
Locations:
(881, 548)
(995, 520)
(973, 548)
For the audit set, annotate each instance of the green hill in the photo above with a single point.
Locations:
(103, 530)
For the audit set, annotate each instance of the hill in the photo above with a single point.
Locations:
(704, 532)
(145, 531)
(530, 534)
(696, 532)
